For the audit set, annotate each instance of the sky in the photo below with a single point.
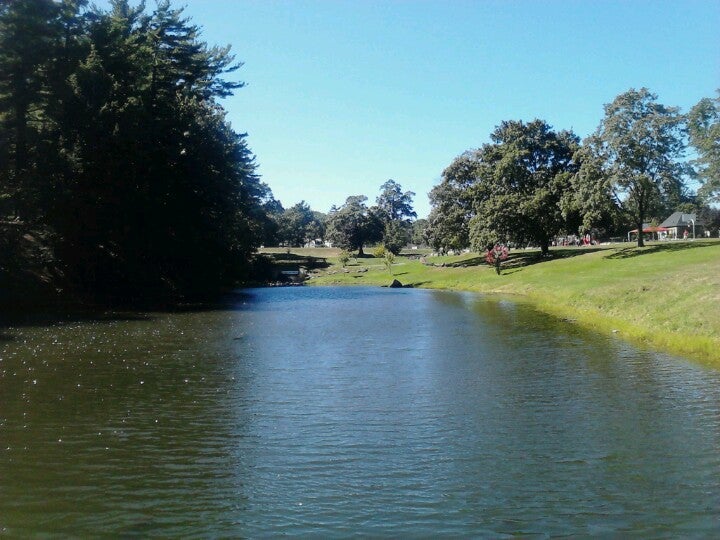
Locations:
(342, 95)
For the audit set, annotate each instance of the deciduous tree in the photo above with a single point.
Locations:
(637, 149)
(521, 179)
(354, 224)
(448, 224)
(703, 123)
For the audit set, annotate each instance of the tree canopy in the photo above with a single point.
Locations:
(703, 123)
(394, 208)
(116, 151)
(521, 178)
(449, 220)
(354, 225)
(300, 224)
(637, 148)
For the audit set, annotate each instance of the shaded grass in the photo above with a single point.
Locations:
(665, 296)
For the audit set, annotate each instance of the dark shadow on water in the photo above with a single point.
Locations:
(671, 246)
(59, 313)
(30, 317)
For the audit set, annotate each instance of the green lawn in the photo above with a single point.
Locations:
(666, 295)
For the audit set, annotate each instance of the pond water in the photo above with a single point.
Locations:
(338, 411)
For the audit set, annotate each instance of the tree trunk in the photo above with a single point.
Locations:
(545, 248)
(641, 217)
(360, 252)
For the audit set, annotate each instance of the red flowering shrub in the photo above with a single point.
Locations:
(496, 255)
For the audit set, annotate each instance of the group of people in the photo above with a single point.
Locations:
(575, 240)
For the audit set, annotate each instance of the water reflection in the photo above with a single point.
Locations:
(333, 411)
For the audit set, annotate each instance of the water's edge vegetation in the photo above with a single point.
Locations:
(663, 296)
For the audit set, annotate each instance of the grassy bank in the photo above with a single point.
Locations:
(665, 296)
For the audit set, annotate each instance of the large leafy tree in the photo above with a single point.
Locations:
(636, 150)
(522, 177)
(448, 224)
(354, 225)
(299, 224)
(395, 209)
(419, 228)
(589, 203)
(703, 124)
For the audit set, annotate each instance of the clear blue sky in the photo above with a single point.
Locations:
(343, 95)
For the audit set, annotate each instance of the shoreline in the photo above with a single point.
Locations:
(664, 300)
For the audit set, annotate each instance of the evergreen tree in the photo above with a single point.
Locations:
(114, 145)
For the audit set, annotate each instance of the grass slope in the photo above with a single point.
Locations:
(666, 295)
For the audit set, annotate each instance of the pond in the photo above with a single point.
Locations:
(340, 411)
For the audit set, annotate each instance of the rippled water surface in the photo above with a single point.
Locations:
(333, 412)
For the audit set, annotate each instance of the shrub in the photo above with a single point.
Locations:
(344, 258)
(389, 260)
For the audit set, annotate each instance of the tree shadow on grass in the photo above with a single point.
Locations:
(281, 259)
(475, 261)
(518, 260)
(671, 246)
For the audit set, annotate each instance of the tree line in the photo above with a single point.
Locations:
(353, 225)
(120, 176)
(119, 173)
(531, 183)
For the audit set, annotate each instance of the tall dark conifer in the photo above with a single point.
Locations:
(114, 143)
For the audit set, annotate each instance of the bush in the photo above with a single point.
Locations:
(379, 252)
(344, 258)
(389, 260)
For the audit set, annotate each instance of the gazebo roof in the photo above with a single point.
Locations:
(678, 219)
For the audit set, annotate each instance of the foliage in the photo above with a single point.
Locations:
(419, 229)
(389, 259)
(344, 258)
(396, 235)
(703, 124)
(393, 204)
(379, 252)
(710, 218)
(635, 152)
(299, 224)
(589, 202)
(521, 178)
(451, 200)
(113, 143)
(394, 208)
(353, 225)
